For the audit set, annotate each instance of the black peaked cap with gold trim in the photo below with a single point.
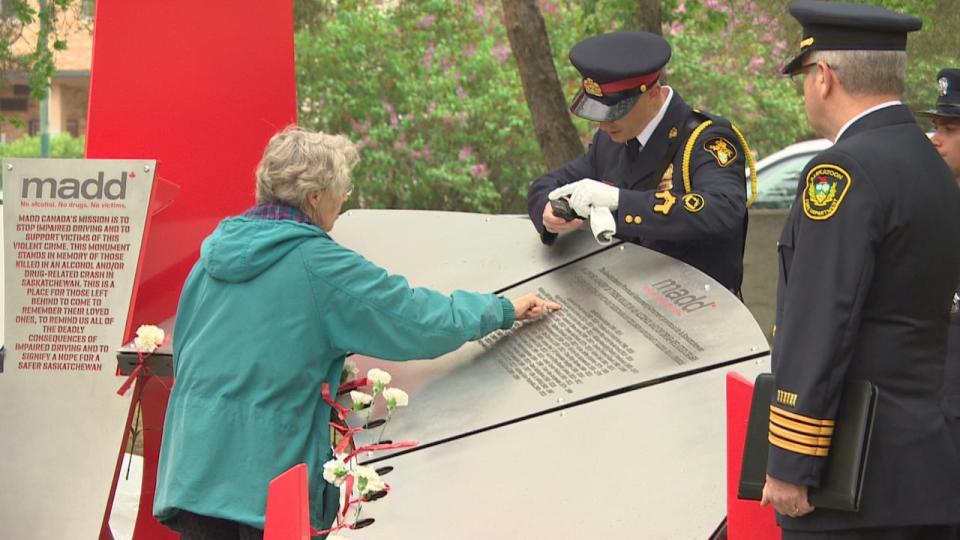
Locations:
(616, 69)
(948, 102)
(835, 26)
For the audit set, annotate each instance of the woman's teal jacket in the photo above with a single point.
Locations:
(266, 316)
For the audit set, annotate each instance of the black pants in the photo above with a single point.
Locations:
(920, 532)
(196, 527)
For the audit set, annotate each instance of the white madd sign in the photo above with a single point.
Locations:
(71, 244)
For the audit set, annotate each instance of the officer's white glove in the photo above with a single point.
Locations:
(602, 224)
(587, 193)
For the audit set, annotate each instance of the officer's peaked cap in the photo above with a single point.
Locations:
(948, 102)
(835, 26)
(616, 69)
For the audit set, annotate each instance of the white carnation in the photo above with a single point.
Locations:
(335, 471)
(395, 398)
(148, 338)
(360, 400)
(379, 377)
(368, 480)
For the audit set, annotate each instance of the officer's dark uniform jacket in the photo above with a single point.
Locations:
(705, 228)
(866, 279)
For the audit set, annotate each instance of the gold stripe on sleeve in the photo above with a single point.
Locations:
(797, 438)
(798, 448)
(801, 418)
(799, 426)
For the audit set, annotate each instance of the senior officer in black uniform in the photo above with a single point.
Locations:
(946, 139)
(673, 175)
(865, 285)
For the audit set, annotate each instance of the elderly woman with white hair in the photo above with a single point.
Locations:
(266, 317)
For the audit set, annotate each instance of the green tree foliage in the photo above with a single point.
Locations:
(37, 64)
(61, 146)
(430, 88)
(17, 16)
(430, 92)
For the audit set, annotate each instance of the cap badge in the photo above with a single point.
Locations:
(672, 134)
(944, 86)
(591, 87)
(806, 42)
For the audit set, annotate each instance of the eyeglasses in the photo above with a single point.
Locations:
(802, 70)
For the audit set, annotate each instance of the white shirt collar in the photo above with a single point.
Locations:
(647, 132)
(864, 113)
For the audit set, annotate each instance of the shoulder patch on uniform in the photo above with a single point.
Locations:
(824, 191)
(722, 150)
(693, 202)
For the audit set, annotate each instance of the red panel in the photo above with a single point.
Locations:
(746, 520)
(288, 506)
(199, 86)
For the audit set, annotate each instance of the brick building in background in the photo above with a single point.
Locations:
(69, 87)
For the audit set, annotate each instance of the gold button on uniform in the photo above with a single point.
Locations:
(628, 219)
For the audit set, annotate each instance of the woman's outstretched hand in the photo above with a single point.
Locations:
(531, 306)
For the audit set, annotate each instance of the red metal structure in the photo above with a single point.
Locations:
(200, 87)
(288, 506)
(746, 520)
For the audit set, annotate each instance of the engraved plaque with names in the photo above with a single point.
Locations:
(631, 316)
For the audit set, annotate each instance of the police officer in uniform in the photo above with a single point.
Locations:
(673, 176)
(946, 139)
(864, 289)
(946, 119)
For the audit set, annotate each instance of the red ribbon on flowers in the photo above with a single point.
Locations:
(349, 490)
(353, 385)
(347, 433)
(341, 410)
(130, 378)
(380, 446)
(360, 499)
(346, 508)
(141, 365)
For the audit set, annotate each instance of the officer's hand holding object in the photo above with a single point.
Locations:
(602, 224)
(585, 194)
(789, 499)
(557, 224)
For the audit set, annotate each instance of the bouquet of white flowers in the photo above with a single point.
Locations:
(360, 484)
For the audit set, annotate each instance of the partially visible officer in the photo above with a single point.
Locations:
(674, 175)
(946, 119)
(946, 139)
(865, 288)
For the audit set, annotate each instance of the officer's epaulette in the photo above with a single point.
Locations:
(719, 121)
(720, 148)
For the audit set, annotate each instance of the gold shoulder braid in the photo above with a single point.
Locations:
(688, 153)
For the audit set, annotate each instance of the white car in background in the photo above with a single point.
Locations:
(779, 173)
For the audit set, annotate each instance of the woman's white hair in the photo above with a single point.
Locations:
(867, 73)
(297, 162)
